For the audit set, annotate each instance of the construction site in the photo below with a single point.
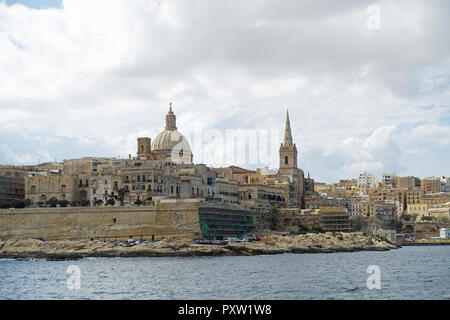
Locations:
(219, 221)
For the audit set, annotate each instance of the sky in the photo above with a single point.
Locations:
(86, 78)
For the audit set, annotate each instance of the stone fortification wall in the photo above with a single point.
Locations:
(163, 220)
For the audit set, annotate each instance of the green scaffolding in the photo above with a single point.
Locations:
(221, 224)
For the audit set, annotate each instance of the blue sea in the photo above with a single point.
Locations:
(406, 273)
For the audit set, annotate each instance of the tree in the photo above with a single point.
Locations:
(138, 202)
(275, 219)
(302, 229)
(111, 202)
(18, 204)
(406, 217)
(63, 203)
(73, 203)
(316, 229)
(98, 202)
(52, 202)
(28, 202)
(397, 225)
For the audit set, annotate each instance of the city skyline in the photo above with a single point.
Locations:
(354, 104)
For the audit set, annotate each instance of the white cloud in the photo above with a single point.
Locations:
(103, 72)
(378, 153)
(23, 158)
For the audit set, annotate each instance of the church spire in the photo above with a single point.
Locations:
(288, 149)
(287, 131)
(171, 119)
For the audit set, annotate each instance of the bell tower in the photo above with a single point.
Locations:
(288, 150)
(144, 147)
(294, 193)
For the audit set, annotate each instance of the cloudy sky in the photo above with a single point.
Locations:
(85, 78)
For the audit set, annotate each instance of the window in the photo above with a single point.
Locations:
(33, 189)
(83, 195)
(286, 160)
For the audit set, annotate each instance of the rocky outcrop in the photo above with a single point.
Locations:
(272, 244)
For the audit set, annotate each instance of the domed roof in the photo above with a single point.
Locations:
(168, 139)
(171, 142)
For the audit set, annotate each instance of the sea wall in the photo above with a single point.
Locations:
(178, 219)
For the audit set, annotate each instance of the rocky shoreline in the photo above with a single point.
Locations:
(272, 244)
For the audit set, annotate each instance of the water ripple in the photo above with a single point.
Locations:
(407, 273)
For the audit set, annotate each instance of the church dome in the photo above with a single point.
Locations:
(168, 139)
(172, 143)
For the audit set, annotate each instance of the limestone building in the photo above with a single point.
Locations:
(368, 180)
(263, 187)
(408, 182)
(431, 185)
(163, 169)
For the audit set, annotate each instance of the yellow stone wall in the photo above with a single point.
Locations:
(163, 220)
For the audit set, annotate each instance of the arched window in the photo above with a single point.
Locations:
(83, 195)
(33, 189)
(286, 160)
